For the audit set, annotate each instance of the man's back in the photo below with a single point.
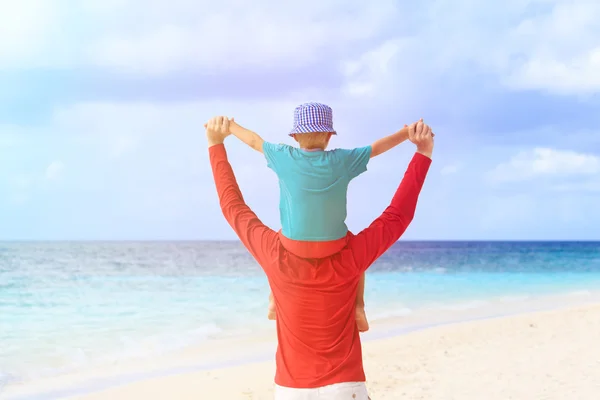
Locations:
(316, 324)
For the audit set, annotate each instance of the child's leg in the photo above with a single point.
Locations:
(361, 316)
(272, 315)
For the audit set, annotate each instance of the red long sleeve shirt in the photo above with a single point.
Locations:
(318, 340)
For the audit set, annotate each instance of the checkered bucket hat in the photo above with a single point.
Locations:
(313, 117)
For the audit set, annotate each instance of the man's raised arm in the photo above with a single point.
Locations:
(259, 239)
(375, 240)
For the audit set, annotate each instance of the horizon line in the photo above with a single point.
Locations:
(237, 240)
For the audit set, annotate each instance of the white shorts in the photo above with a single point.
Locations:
(338, 391)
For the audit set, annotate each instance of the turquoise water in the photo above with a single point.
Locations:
(67, 306)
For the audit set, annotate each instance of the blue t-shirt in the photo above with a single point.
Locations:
(313, 186)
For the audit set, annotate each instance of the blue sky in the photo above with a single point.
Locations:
(102, 106)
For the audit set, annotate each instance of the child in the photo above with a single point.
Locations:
(313, 186)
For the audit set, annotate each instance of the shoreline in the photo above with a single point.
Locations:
(551, 355)
(548, 354)
(166, 367)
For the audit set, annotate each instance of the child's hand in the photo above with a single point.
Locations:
(217, 129)
(230, 125)
(421, 120)
(421, 135)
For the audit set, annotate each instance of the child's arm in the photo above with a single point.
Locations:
(384, 144)
(247, 136)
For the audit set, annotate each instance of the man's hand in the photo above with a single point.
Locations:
(420, 134)
(217, 129)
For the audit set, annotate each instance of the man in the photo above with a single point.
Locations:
(319, 354)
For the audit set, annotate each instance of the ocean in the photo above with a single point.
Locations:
(68, 306)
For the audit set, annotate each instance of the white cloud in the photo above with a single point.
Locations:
(183, 34)
(362, 74)
(260, 34)
(54, 170)
(580, 74)
(549, 45)
(558, 51)
(546, 162)
(540, 44)
(28, 29)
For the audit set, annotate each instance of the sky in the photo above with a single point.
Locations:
(102, 106)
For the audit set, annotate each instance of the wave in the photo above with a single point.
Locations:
(134, 348)
(582, 292)
(514, 298)
(125, 348)
(466, 305)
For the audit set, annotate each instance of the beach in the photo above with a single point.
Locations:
(550, 355)
(105, 319)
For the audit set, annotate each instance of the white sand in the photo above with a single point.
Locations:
(540, 356)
